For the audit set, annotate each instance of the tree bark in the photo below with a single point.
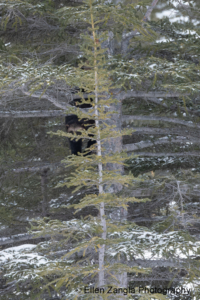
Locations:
(44, 193)
(116, 214)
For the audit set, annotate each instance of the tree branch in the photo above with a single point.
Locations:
(128, 118)
(146, 18)
(149, 10)
(48, 98)
(157, 102)
(16, 239)
(166, 131)
(142, 145)
(154, 130)
(122, 95)
(164, 154)
(32, 114)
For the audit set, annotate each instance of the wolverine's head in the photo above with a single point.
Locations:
(74, 127)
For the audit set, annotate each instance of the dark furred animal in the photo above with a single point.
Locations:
(75, 125)
(78, 102)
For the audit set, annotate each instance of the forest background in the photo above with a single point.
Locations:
(152, 55)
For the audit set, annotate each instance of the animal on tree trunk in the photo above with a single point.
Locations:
(75, 125)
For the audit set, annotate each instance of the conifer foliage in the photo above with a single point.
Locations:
(103, 170)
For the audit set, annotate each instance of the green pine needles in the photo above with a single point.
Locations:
(93, 242)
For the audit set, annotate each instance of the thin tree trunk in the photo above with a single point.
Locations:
(100, 166)
(44, 193)
(116, 214)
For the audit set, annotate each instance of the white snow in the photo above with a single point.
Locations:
(21, 254)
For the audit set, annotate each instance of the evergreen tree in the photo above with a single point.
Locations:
(96, 170)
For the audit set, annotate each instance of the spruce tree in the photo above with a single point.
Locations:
(101, 169)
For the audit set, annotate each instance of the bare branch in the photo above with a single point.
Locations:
(41, 169)
(149, 10)
(32, 114)
(19, 238)
(130, 94)
(169, 131)
(47, 97)
(161, 141)
(164, 154)
(155, 101)
(146, 17)
(127, 118)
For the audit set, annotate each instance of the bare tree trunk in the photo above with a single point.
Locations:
(116, 214)
(100, 165)
(115, 145)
